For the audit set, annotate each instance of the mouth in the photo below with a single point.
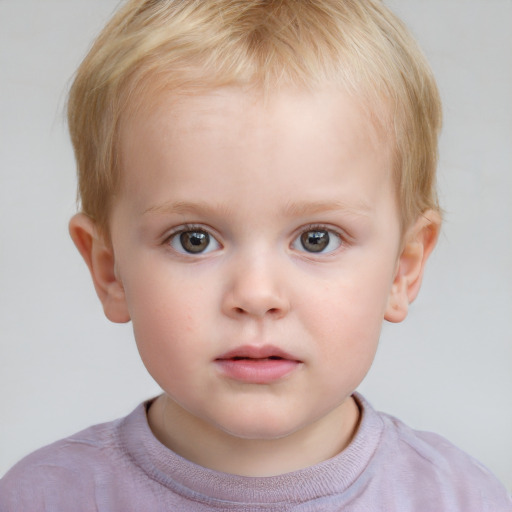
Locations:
(257, 352)
(257, 365)
(271, 358)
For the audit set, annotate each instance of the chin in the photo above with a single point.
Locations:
(260, 429)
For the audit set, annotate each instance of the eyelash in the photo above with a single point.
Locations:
(297, 240)
(190, 228)
(318, 228)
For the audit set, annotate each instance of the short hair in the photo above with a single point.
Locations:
(196, 45)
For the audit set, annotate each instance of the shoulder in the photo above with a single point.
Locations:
(64, 474)
(432, 462)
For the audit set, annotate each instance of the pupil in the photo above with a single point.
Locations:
(315, 241)
(194, 241)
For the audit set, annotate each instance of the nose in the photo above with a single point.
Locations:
(255, 288)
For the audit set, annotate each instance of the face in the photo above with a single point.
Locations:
(256, 243)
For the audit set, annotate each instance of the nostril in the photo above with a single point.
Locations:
(254, 304)
(242, 311)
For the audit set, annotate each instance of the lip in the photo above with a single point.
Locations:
(257, 364)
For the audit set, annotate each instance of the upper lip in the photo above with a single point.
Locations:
(256, 352)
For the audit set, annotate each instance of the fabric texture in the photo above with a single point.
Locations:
(121, 467)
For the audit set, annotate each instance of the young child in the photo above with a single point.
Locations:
(257, 182)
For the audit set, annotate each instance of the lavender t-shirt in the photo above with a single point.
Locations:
(121, 467)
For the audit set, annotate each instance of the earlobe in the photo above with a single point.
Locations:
(419, 242)
(398, 302)
(99, 257)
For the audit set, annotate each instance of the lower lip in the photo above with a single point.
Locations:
(257, 371)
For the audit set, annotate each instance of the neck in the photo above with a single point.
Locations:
(210, 447)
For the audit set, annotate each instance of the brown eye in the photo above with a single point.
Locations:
(194, 242)
(318, 241)
(315, 241)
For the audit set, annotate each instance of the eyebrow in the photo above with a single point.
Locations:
(290, 209)
(299, 209)
(182, 207)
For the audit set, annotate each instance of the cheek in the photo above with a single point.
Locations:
(347, 314)
(168, 314)
(170, 344)
(159, 295)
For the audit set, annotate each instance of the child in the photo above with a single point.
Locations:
(257, 181)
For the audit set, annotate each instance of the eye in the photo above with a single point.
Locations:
(317, 240)
(193, 241)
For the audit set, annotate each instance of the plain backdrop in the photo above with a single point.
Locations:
(448, 368)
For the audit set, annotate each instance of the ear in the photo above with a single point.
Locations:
(99, 257)
(419, 242)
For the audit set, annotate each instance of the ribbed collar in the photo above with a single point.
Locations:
(331, 477)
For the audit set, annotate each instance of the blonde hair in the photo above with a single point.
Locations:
(193, 45)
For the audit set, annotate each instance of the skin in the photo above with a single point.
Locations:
(254, 176)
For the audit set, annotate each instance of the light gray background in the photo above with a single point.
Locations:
(448, 368)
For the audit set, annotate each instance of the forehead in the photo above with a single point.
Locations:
(253, 110)
(199, 146)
